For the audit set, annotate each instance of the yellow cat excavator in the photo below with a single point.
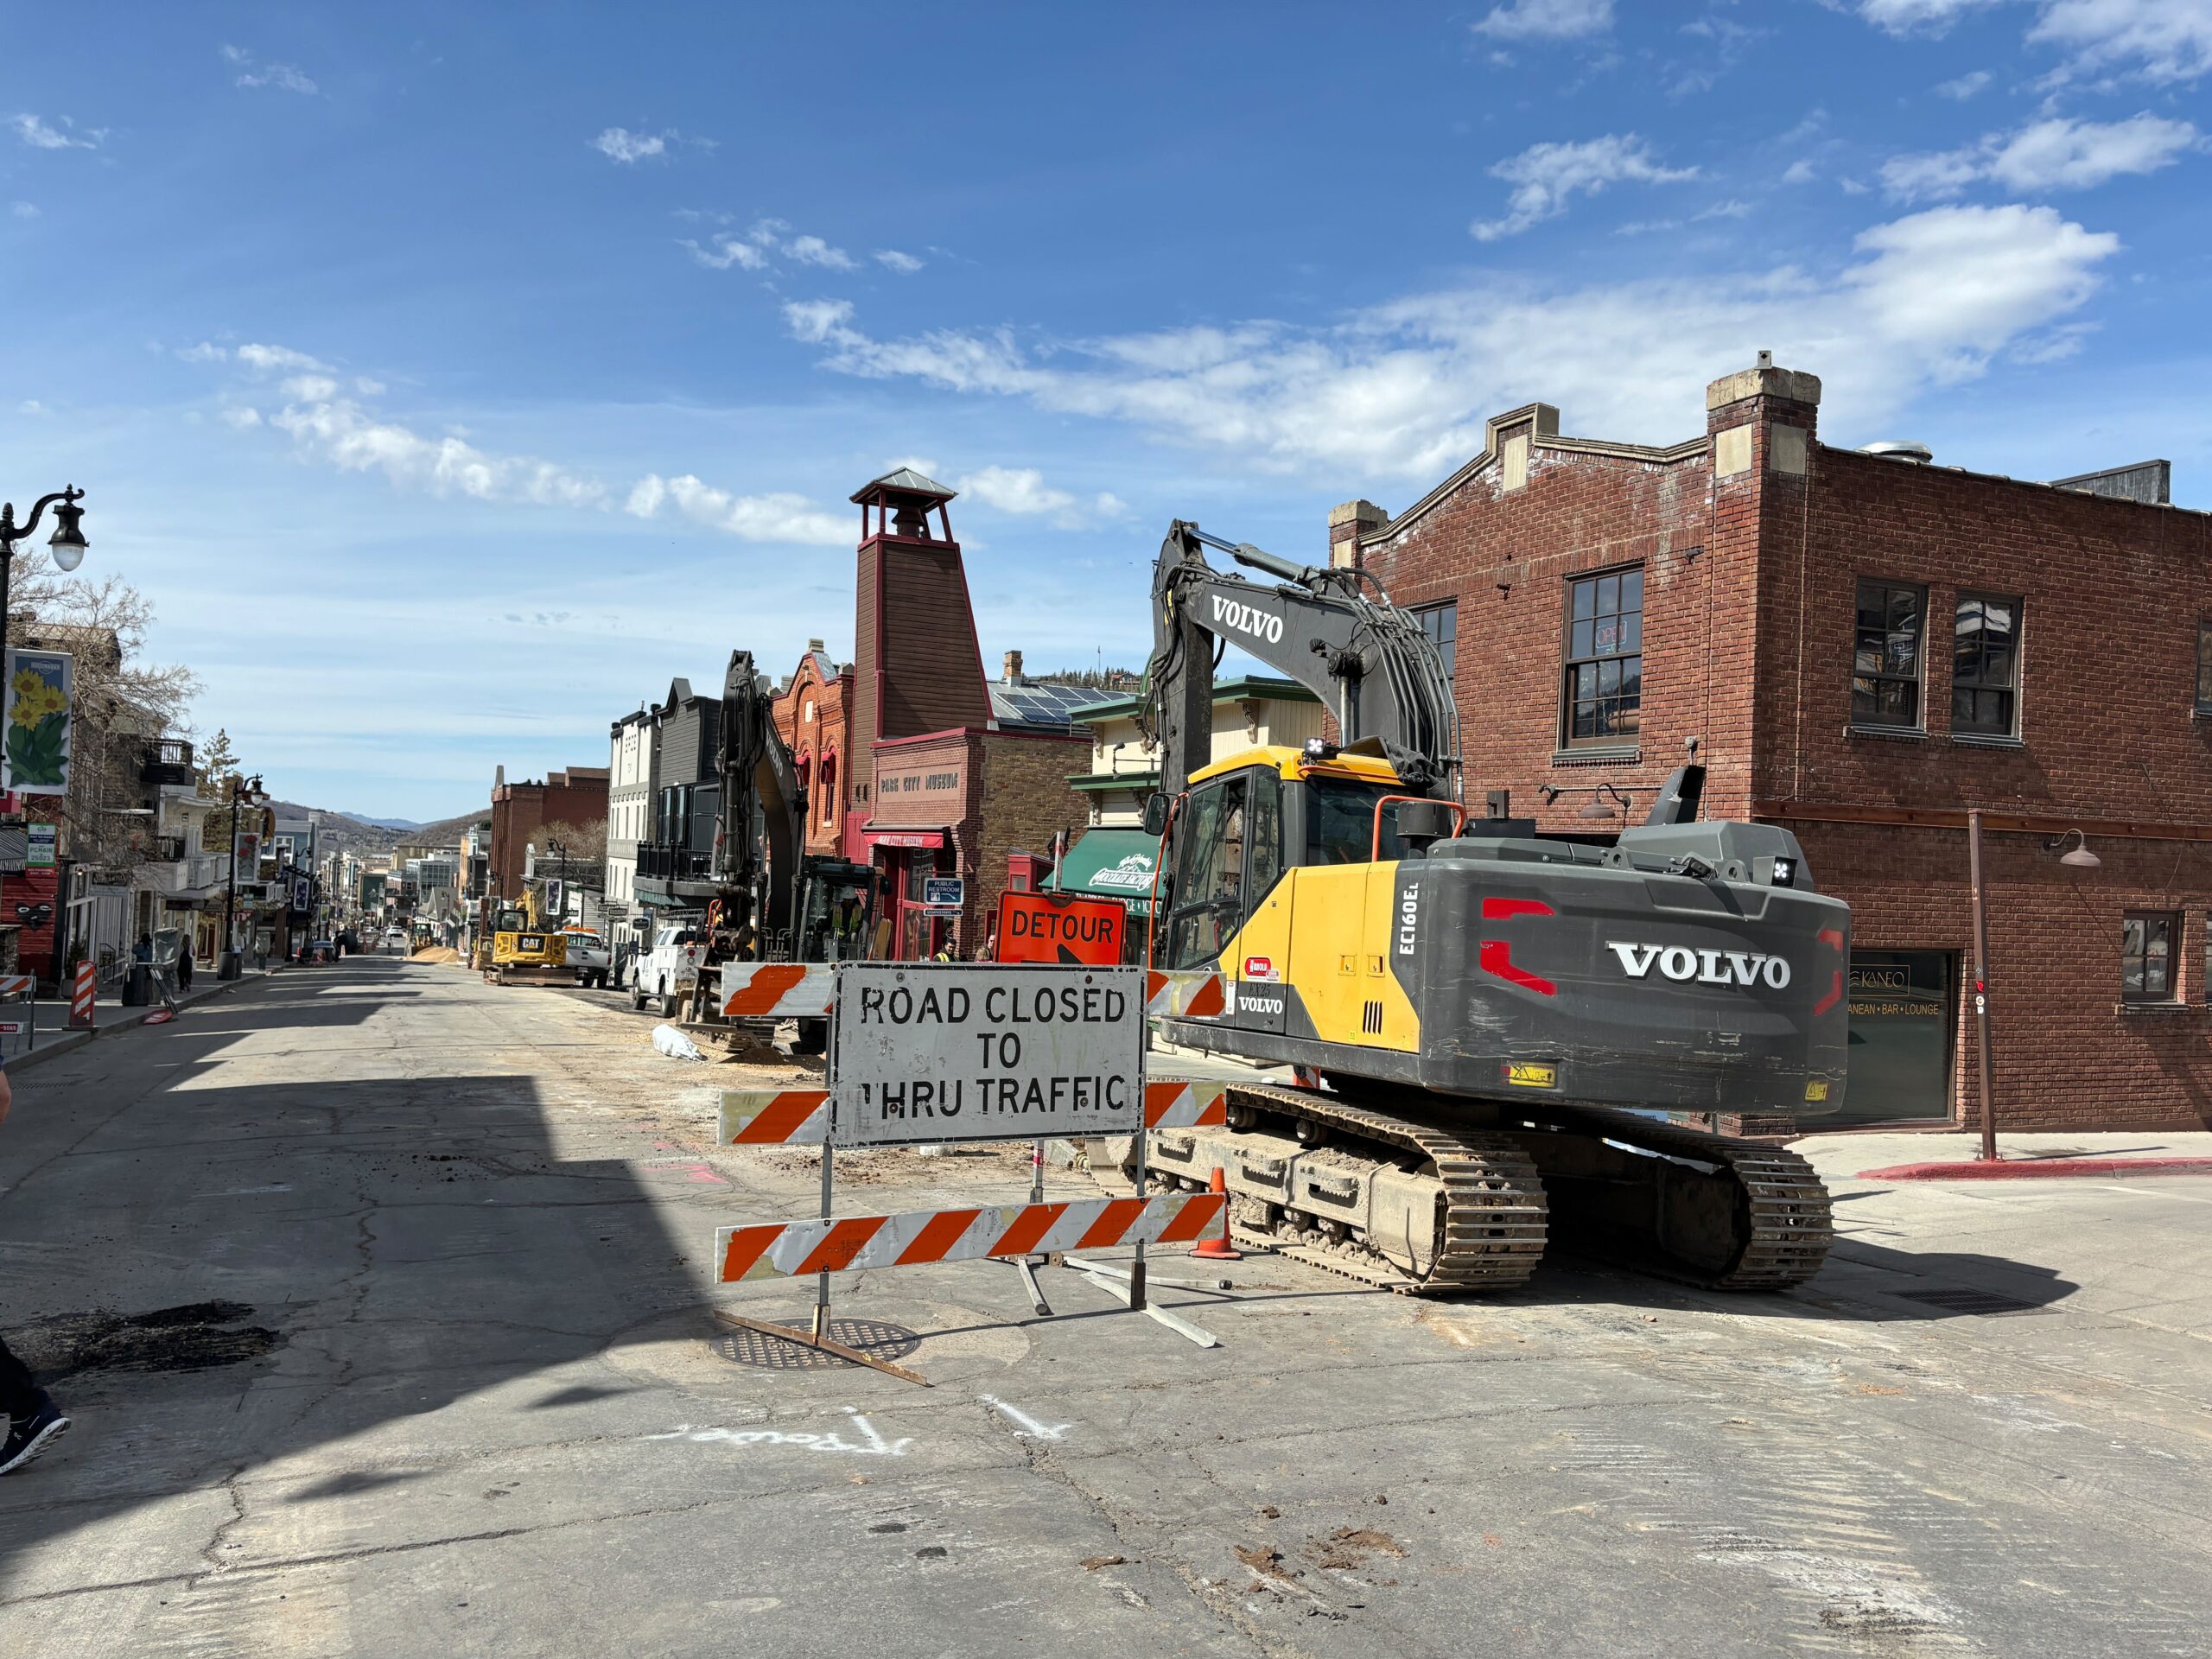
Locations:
(524, 951)
(1497, 1034)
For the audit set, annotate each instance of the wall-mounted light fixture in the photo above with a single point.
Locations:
(2081, 858)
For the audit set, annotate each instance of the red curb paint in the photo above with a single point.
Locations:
(2007, 1169)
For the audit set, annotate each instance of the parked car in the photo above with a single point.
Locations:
(588, 955)
(667, 973)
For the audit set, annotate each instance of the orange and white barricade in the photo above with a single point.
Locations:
(778, 990)
(1185, 993)
(800, 1117)
(795, 1249)
(775, 1117)
(1184, 1104)
(83, 993)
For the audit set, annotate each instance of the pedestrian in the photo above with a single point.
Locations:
(33, 1418)
(184, 964)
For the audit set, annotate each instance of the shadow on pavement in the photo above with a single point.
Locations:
(403, 1241)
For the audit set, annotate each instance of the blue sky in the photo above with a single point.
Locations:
(451, 379)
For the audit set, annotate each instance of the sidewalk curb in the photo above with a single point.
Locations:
(71, 1040)
(2007, 1169)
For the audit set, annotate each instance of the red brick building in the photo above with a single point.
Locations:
(577, 796)
(950, 772)
(811, 716)
(1788, 606)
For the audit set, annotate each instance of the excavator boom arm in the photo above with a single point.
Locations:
(1374, 668)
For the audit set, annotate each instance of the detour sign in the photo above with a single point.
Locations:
(1049, 927)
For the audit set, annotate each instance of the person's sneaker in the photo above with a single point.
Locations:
(29, 1436)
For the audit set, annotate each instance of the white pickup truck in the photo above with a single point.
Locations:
(668, 972)
(588, 955)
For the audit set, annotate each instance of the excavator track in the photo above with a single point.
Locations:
(1485, 1205)
(1716, 1211)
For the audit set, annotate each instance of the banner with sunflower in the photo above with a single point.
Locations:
(35, 758)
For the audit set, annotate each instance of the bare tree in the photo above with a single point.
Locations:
(587, 841)
(122, 702)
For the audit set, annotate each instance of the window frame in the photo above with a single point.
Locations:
(2204, 705)
(1447, 649)
(1917, 679)
(2171, 992)
(2019, 610)
(1569, 662)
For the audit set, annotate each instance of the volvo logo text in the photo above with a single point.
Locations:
(1247, 619)
(1706, 967)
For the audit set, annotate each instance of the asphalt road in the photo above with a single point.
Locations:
(457, 1393)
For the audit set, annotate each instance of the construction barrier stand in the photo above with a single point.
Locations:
(852, 1244)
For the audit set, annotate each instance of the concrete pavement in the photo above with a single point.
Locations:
(459, 1396)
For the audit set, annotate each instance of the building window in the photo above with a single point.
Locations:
(1603, 700)
(1441, 624)
(2146, 956)
(2204, 668)
(1885, 668)
(830, 786)
(1986, 666)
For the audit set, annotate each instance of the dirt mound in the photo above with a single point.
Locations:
(436, 953)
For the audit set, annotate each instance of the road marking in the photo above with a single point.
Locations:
(1031, 1429)
(875, 1446)
(2149, 1192)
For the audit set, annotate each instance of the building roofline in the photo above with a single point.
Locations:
(1543, 433)
(2055, 487)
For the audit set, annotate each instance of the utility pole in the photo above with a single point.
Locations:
(1980, 981)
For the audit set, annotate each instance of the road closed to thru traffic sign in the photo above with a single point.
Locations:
(926, 1051)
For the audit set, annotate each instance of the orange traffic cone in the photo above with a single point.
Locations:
(1219, 1249)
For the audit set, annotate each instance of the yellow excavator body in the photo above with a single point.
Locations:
(525, 949)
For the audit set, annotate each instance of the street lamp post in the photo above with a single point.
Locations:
(233, 962)
(67, 544)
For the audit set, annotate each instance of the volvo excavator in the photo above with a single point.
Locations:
(1499, 1038)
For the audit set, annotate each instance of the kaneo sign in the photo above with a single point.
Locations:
(927, 1052)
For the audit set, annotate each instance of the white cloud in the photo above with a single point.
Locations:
(1964, 87)
(1023, 491)
(367, 387)
(270, 359)
(815, 320)
(2059, 153)
(1402, 388)
(620, 145)
(1546, 176)
(1547, 19)
(38, 136)
(767, 241)
(259, 72)
(1799, 172)
(1731, 208)
(31, 406)
(205, 351)
(241, 416)
(778, 517)
(339, 432)
(2161, 40)
(724, 251)
(23, 209)
(813, 251)
(905, 263)
(1918, 16)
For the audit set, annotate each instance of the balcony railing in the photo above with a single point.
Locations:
(168, 760)
(659, 861)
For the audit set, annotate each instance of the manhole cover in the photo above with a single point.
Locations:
(1969, 1301)
(873, 1338)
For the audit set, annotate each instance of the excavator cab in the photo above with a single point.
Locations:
(1247, 820)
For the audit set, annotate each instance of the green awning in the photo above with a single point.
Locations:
(1110, 864)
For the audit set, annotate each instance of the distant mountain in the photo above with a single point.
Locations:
(348, 830)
